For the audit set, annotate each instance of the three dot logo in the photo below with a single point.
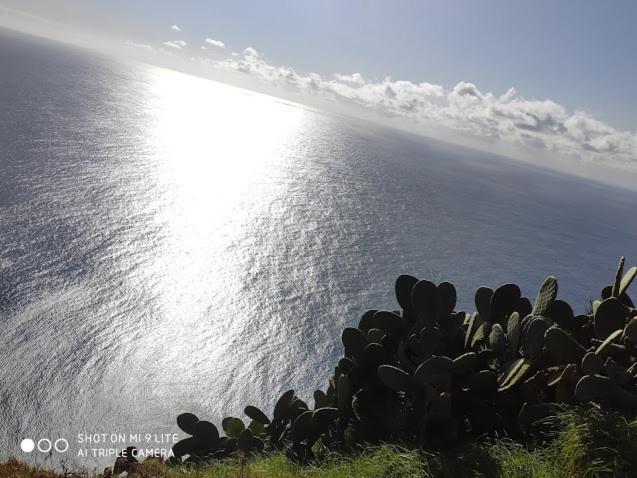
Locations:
(44, 445)
(27, 445)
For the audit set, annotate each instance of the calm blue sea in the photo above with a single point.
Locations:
(171, 244)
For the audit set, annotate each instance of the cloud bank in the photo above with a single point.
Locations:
(464, 111)
(538, 124)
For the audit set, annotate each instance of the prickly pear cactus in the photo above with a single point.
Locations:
(545, 297)
(430, 376)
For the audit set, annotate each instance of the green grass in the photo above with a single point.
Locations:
(595, 443)
(587, 443)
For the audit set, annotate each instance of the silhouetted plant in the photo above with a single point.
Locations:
(428, 376)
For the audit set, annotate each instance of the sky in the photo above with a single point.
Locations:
(547, 76)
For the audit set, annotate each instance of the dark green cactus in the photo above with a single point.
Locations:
(206, 431)
(562, 348)
(404, 285)
(563, 385)
(424, 299)
(597, 388)
(354, 341)
(630, 331)
(445, 299)
(232, 426)
(435, 371)
(617, 373)
(440, 408)
(497, 341)
(533, 340)
(375, 335)
(592, 364)
(345, 365)
(257, 415)
(322, 418)
(429, 340)
(248, 443)
(622, 282)
(481, 334)
(465, 363)
(606, 346)
(321, 400)
(514, 331)
(514, 373)
(532, 413)
(344, 392)
(187, 422)
(257, 428)
(484, 383)
(483, 302)
(627, 280)
(560, 313)
(367, 321)
(618, 277)
(503, 302)
(545, 297)
(474, 321)
(428, 375)
(390, 323)
(524, 307)
(610, 316)
(282, 405)
(302, 427)
(395, 378)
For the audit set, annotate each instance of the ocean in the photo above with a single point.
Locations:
(171, 244)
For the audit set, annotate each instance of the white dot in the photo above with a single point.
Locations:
(27, 445)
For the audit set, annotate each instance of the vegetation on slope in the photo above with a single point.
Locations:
(580, 443)
(430, 377)
(515, 389)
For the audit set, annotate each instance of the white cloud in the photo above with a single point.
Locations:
(251, 53)
(511, 118)
(355, 79)
(177, 44)
(217, 43)
(175, 28)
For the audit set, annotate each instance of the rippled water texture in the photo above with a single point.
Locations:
(168, 243)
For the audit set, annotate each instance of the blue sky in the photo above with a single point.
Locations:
(577, 54)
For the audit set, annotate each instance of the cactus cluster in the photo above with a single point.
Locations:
(430, 376)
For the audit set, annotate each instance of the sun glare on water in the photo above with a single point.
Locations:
(222, 158)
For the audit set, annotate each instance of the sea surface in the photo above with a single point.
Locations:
(170, 244)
